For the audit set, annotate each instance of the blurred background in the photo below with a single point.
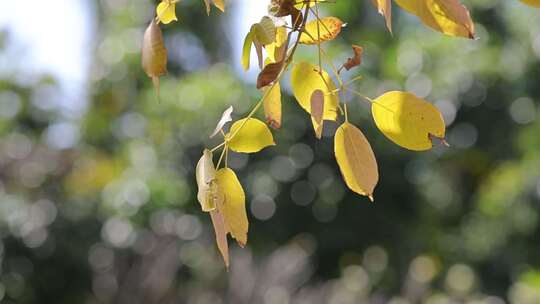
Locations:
(97, 189)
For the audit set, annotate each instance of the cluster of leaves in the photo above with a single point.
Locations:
(402, 117)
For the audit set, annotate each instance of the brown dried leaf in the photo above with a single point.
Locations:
(356, 59)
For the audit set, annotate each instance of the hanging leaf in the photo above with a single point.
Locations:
(535, 3)
(276, 50)
(446, 16)
(154, 54)
(250, 136)
(272, 106)
(356, 59)
(166, 11)
(269, 74)
(246, 51)
(356, 160)
(384, 7)
(220, 4)
(317, 110)
(264, 32)
(234, 205)
(225, 118)
(407, 120)
(305, 79)
(205, 173)
(322, 30)
(218, 220)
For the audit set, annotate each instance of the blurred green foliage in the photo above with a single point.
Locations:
(102, 208)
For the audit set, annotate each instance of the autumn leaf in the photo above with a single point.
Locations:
(317, 111)
(225, 118)
(264, 32)
(249, 135)
(234, 205)
(446, 16)
(154, 54)
(246, 51)
(356, 160)
(166, 11)
(407, 120)
(276, 50)
(356, 59)
(221, 231)
(322, 30)
(305, 79)
(217, 3)
(269, 74)
(535, 3)
(384, 7)
(272, 106)
(205, 174)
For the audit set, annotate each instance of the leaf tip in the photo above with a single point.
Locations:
(371, 198)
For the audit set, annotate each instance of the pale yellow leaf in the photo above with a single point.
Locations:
(234, 205)
(264, 32)
(208, 191)
(220, 4)
(325, 29)
(407, 120)
(305, 79)
(225, 118)
(166, 11)
(356, 160)
(249, 136)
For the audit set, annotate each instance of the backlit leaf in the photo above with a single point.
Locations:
(305, 79)
(384, 7)
(324, 30)
(225, 118)
(272, 106)
(246, 51)
(250, 136)
(276, 50)
(234, 205)
(407, 120)
(220, 4)
(356, 160)
(269, 73)
(264, 32)
(205, 173)
(166, 11)
(446, 16)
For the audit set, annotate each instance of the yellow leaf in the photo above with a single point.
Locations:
(249, 136)
(166, 11)
(264, 32)
(276, 49)
(384, 8)
(317, 110)
(301, 4)
(234, 205)
(407, 120)
(205, 174)
(535, 3)
(220, 4)
(272, 106)
(246, 51)
(220, 228)
(356, 160)
(446, 16)
(305, 79)
(319, 31)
